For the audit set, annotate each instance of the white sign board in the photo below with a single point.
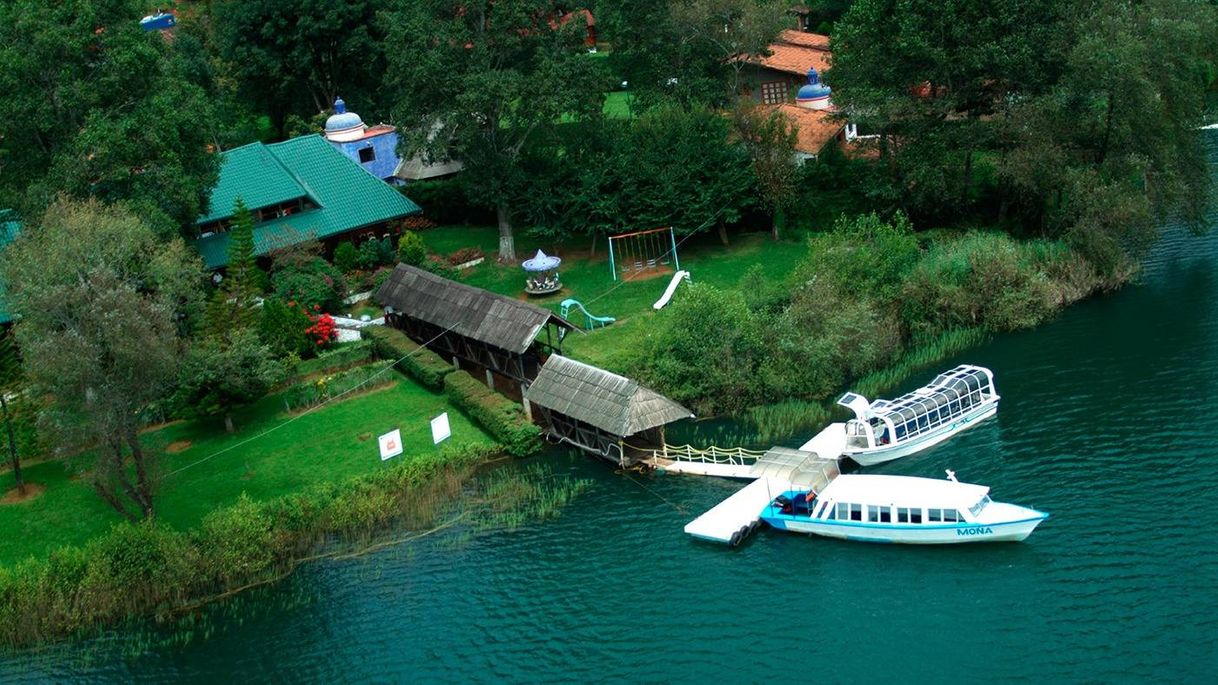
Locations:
(391, 444)
(440, 430)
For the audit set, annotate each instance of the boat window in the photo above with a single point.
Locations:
(856, 512)
(902, 514)
(915, 515)
(950, 515)
(873, 513)
(934, 515)
(976, 508)
(885, 514)
(829, 513)
(843, 511)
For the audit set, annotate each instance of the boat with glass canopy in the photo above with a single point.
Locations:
(902, 509)
(888, 429)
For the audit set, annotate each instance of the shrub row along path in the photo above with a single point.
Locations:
(330, 443)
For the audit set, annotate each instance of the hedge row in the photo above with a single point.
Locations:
(149, 569)
(501, 417)
(416, 361)
(314, 392)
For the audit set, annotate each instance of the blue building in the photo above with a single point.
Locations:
(375, 148)
(372, 147)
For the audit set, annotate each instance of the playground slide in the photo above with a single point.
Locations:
(590, 322)
(672, 288)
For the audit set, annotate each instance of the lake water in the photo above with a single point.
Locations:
(1108, 421)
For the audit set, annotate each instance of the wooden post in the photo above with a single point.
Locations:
(528, 407)
(456, 362)
(490, 379)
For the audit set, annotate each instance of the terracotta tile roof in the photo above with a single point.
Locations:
(814, 127)
(804, 39)
(795, 52)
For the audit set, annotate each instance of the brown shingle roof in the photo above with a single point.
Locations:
(814, 127)
(472, 312)
(613, 403)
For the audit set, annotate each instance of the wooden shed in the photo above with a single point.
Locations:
(598, 411)
(470, 326)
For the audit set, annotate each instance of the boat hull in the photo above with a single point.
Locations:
(879, 455)
(925, 534)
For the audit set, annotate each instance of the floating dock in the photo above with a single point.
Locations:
(773, 473)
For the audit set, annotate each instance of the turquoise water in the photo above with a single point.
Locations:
(1107, 421)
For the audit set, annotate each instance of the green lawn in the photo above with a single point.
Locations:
(324, 445)
(588, 279)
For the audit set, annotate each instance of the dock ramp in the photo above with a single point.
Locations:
(829, 442)
(779, 470)
(731, 520)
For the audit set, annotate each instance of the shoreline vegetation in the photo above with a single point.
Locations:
(150, 570)
(769, 332)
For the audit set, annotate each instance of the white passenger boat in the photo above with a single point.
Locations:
(887, 429)
(902, 509)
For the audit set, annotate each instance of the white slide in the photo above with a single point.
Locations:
(672, 288)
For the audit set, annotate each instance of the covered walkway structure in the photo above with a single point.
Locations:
(597, 411)
(470, 326)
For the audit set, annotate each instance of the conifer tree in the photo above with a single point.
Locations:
(232, 306)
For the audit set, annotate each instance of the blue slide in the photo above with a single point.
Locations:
(590, 322)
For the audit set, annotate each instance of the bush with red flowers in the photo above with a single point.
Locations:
(323, 331)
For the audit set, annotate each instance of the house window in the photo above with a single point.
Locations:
(774, 92)
(366, 155)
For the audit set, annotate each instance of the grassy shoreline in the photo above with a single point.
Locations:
(152, 569)
(327, 444)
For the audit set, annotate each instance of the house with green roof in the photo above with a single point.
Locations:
(298, 190)
(10, 228)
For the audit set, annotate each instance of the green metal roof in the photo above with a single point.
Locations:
(10, 228)
(347, 196)
(254, 174)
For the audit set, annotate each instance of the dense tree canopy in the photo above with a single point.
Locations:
(96, 107)
(1069, 117)
(481, 81)
(294, 57)
(688, 50)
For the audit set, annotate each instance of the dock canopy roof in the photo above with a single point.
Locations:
(471, 312)
(612, 403)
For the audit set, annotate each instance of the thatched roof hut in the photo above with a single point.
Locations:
(464, 323)
(595, 409)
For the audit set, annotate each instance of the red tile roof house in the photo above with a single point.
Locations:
(782, 80)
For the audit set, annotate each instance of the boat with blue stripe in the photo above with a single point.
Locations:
(902, 509)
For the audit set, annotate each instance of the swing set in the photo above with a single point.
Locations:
(633, 253)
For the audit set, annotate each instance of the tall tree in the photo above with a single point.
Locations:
(689, 50)
(10, 376)
(96, 107)
(102, 300)
(929, 77)
(233, 306)
(294, 57)
(480, 81)
(770, 137)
